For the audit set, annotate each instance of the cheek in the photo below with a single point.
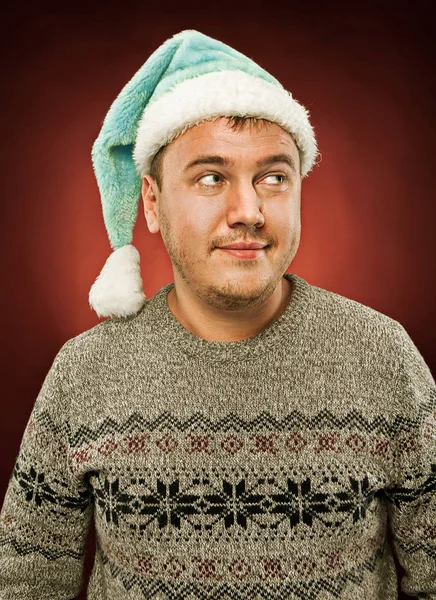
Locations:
(187, 225)
(196, 220)
(283, 220)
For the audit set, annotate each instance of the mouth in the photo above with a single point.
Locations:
(244, 253)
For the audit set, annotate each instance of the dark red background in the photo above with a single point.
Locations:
(366, 73)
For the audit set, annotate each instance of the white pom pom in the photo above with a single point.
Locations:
(118, 290)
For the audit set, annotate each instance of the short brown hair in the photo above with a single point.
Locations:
(235, 123)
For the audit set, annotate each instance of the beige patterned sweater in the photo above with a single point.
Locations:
(262, 469)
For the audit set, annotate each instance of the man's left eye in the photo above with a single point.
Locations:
(279, 176)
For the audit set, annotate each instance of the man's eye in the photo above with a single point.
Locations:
(280, 178)
(210, 179)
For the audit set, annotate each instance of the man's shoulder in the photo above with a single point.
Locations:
(114, 333)
(337, 307)
(350, 323)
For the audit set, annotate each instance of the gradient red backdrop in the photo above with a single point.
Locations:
(365, 72)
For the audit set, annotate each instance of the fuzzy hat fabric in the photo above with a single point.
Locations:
(189, 79)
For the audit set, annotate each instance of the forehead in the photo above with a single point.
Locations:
(254, 140)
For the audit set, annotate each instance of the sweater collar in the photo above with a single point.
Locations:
(170, 333)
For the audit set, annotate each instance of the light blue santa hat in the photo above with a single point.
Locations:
(189, 79)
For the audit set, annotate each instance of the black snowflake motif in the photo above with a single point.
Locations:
(35, 486)
(112, 501)
(299, 512)
(234, 504)
(168, 504)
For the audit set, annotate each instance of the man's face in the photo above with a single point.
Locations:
(242, 188)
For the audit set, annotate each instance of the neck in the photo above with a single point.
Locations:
(213, 324)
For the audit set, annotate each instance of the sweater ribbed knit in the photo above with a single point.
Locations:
(264, 469)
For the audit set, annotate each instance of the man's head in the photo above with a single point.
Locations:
(245, 186)
(192, 84)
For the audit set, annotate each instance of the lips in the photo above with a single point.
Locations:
(244, 253)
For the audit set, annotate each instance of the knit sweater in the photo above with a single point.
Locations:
(264, 469)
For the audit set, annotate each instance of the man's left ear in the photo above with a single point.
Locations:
(150, 198)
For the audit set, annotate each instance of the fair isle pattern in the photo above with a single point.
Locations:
(228, 485)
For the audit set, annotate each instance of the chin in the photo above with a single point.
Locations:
(237, 293)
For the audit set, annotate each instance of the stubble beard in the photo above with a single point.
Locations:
(230, 295)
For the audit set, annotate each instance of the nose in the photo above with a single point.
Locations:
(244, 206)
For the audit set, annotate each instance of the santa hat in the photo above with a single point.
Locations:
(189, 79)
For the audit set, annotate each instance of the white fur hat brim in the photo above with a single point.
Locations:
(220, 94)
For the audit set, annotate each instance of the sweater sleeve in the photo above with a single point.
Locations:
(46, 513)
(412, 497)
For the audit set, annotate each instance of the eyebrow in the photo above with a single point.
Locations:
(224, 161)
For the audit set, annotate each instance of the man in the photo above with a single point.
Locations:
(205, 207)
(242, 434)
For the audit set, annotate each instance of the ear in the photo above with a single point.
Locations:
(150, 196)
